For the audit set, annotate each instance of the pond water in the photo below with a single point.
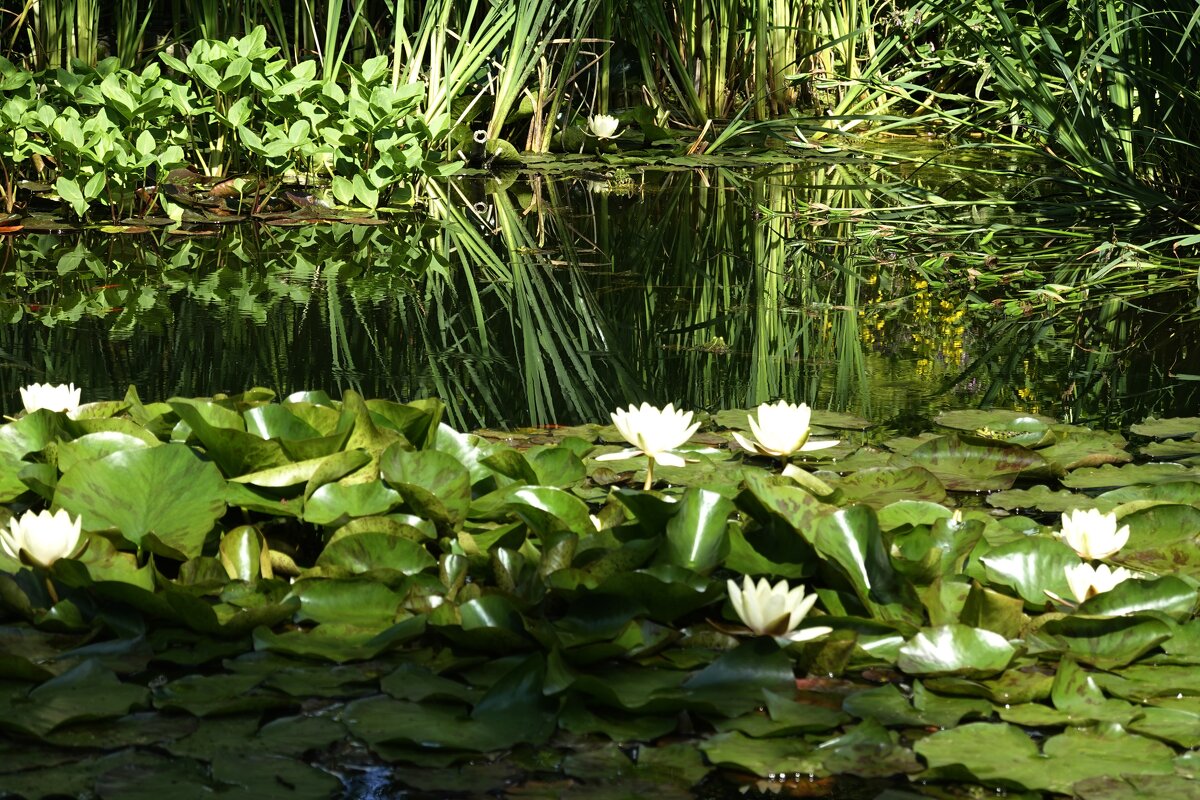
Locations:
(555, 299)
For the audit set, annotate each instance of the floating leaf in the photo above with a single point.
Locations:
(883, 485)
(971, 467)
(1108, 476)
(165, 491)
(1168, 428)
(1003, 755)
(955, 650)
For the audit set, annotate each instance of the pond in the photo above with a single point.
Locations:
(345, 597)
(553, 299)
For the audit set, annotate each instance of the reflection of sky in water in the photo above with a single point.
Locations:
(678, 289)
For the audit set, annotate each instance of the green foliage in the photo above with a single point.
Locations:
(471, 607)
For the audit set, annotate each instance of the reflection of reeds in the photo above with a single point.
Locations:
(715, 291)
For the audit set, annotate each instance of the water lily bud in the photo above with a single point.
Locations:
(774, 610)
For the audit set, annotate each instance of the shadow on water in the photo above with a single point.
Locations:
(555, 300)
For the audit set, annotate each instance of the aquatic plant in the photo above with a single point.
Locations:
(446, 596)
(781, 430)
(1092, 534)
(655, 433)
(42, 538)
(63, 397)
(774, 610)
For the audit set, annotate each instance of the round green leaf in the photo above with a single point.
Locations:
(955, 650)
(166, 491)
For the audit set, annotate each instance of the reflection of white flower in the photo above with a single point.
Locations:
(654, 432)
(1086, 581)
(603, 126)
(64, 397)
(1092, 534)
(774, 610)
(43, 538)
(781, 430)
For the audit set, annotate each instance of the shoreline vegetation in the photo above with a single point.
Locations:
(110, 119)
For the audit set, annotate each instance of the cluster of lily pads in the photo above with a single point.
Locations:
(244, 596)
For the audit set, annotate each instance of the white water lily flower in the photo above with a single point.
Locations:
(603, 126)
(1093, 535)
(1086, 581)
(781, 430)
(654, 433)
(64, 397)
(774, 610)
(41, 539)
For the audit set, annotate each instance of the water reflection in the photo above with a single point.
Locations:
(554, 300)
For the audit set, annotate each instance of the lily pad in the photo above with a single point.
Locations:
(1168, 428)
(166, 492)
(971, 467)
(1003, 755)
(956, 650)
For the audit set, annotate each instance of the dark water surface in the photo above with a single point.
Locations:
(555, 300)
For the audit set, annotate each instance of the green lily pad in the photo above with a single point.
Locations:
(362, 552)
(1031, 566)
(222, 432)
(869, 750)
(1140, 787)
(884, 485)
(1080, 447)
(338, 641)
(86, 692)
(435, 485)
(338, 503)
(696, 535)
(1003, 755)
(781, 755)
(1168, 428)
(1108, 476)
(998, 419)
(971, 467)
(1163, 539)
(1105, 643)
(165, 493)
(1043, 498)
(955, 650)
(96, 445)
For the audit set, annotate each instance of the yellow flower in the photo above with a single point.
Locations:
(603, 126)
(41, 539)
(655, 433)
(1093, 535)
(1087, 581)
(64, 397)
(781, 430)
(774, 610)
